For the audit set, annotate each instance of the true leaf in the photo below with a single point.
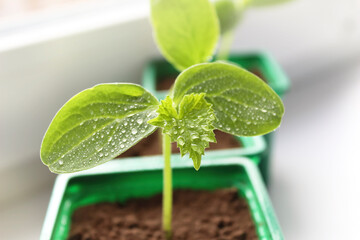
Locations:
(186, 31)
(189, 124)
(97, 125)
(244, 105)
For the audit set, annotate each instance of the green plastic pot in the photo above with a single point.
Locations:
(262, 63)
(119, 180)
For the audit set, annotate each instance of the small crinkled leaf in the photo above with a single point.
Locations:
(190, 124)
(97, 125)
(244, 105)
(186, 31)
(229, 13)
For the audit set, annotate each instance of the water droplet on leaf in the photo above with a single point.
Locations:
(181, 141)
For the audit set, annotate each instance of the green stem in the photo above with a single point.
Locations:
(225, 46)
(167, 186)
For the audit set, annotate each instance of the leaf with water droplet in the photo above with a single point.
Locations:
(194, 111)
(243, 104)
(90, 128)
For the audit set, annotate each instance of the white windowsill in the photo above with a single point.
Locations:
(68, 20)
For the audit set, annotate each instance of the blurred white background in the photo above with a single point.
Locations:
(47, 56)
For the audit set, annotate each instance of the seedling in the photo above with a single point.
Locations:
(102, 122)
(230, 13)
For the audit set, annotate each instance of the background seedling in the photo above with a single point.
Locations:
(230, 13)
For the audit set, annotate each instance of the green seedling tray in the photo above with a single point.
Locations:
(261, 62)
(119, 180)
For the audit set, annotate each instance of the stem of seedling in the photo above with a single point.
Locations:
(167, 186)
(226, 42)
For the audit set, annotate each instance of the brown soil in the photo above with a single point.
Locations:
(165, 83)
(152, 145)
(258, 73)
(197, 215)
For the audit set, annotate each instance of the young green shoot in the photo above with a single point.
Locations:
(100, 123)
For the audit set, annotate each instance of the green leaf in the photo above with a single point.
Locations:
(229, 13)
(244, 105)
(189, 124)
(186, 31)
(97, 125)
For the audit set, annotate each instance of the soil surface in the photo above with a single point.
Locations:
(197, 215)
(152, 145)
(258, 73)
(165, 83)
